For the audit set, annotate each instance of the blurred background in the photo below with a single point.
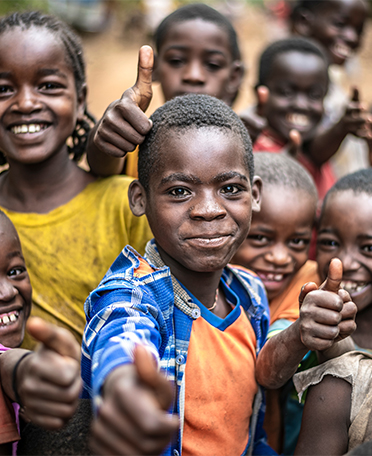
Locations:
(113, 30)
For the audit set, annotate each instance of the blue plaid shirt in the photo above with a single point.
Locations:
(156, 311)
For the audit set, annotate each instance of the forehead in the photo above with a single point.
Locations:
(286, 205)
(197, 34)
(33, 47)
(8, 234)
(299, 66)
(344, 7)
(357, 207)
(203, 153)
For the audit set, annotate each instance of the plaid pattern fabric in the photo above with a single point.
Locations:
(156, 311)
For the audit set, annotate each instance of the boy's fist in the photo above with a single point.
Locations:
(327, 313)
(124, 124)
(133, 417)
(48, 381)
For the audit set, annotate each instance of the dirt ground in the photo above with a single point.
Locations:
(112, 60)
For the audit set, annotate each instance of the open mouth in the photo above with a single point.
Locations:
(343, 50)
(271, 277)
(28, 128)
(298, 120)
(9, 318)
(354, 287)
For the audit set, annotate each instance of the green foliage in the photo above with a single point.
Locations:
(8, 6)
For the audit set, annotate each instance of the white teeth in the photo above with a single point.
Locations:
(31, 128)
(299, 120)
(343, 50)
(353, 287)
(274, 277)
(9, 318)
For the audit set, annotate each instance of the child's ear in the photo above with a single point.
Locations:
(235, 81)
(155, 75)
(256, 194)
(303, 23)
(137, 198)
(81, 102)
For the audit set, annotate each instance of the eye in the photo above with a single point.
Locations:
(16, 272)
(367, 248)
(299, 243)
(5, 90)
(328, 244)
(258, 240)
(286, 92)
(316, 94)
(213, 66)
(50, 86)
(231, 189)
(175, 62)
(179, 192)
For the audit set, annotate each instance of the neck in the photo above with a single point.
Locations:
(41, 187)
(202, 285)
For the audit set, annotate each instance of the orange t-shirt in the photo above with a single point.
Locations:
(286, 306)
(220, 384)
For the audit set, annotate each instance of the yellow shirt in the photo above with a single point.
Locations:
(69, 250)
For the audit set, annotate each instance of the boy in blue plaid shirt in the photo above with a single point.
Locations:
(182, 308)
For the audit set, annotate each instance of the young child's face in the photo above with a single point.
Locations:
(200, 201)
(195, 57)
(345, 232)
(278, 241)
(38, 100)
(297, 85)
(15, 287)
(338, 26)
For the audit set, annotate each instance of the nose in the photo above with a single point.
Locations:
(207, 208)
(278, 255)
(349, 262)
(194, 73)
(300, 102)
(7, 290)
(351, 36)
(26, 101)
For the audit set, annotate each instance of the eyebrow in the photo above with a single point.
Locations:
(51, 72)
(327, 231)
(5, 75)
(185, 48)
(16, 253)
(191, 179)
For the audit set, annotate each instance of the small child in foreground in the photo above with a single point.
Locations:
(45, 383)
(197, 51)
(276, 249)
(337, 415)
(202, 321)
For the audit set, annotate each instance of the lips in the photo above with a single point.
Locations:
(9, 318)
(343, 50)
(353, 287)
(212, 241)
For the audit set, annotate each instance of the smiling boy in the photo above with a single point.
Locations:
(203, 321)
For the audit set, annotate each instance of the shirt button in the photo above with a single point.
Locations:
(180, 359)
(175, 453)
(195, 313)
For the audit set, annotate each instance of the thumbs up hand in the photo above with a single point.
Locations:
(327, 313)
(124, 124)
(133, 417)
(48, 381)
(254, 119)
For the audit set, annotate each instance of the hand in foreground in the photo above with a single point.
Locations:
(356, 119)
(327, 313)
(48, 381)
(133, 417)
(124, 124)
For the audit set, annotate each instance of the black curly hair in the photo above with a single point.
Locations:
(203, 12)
(301, 45)
(185, 113)
(74, 54)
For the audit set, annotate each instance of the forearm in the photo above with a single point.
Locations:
(325, 144)
(279, 358)
(100, 163)
(8, 362)
(338, 349)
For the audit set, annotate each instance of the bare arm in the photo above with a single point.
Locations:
(124, 124)
(326, 419)
(326, 316)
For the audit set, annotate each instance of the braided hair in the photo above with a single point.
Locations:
(74, 54)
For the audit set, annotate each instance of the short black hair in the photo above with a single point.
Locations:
(358, 182)
(281, 170)
(198, 11)
(74, 56)
(301, 45)
(186, 113)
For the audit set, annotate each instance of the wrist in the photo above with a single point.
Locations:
(17, 374)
